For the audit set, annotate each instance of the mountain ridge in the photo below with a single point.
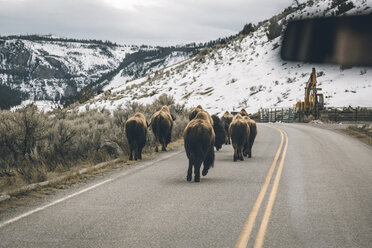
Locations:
(247, 71)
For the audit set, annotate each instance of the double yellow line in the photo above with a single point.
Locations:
(246, 232)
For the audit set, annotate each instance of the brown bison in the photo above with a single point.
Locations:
(196, 110)
(252, 136)
(161, 124)
(239, 131)
(226, 119)
(199, 139)
(136, 131)
(243, 112)
(219, 131)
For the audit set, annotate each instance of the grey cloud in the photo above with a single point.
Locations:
(170, 22)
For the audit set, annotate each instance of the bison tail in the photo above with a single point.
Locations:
(209, 159)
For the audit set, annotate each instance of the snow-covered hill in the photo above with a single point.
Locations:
(52, 70)
(47, 68)
(247, 72)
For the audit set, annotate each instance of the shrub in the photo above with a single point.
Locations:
(248, 28)
(33, 143)
(343, 7)
(274, 30)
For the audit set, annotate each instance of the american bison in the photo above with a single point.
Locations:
(219, 131)
(239, 130)
(196, 110)
(252, 136)
(226, 119)
(136, 131)
(199, 139)
(161, 124)
(243, 113)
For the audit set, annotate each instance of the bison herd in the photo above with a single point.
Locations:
(201, 135)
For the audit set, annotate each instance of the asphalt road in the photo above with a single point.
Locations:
(319, 195)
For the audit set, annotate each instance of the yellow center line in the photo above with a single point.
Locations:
(265, 220)
(246, 232)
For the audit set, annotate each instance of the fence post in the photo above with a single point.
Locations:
(269, 114)
(282, 114)
(335, 114)
(356, 114)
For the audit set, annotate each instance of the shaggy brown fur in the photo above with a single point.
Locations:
(199, 139)
(161, 124)
(252, 136)
(239, 130)
(227, 119)
(243, 112)
(196, 110)
(219, 132)
(136, 131)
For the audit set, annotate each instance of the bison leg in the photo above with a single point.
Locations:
(140, 153)
(250, 149)
(189, 171)
(163, 147)
(240, 153)
(131, 155)
(136, 154)
(235, 153)
(197, 172)
(246, 150)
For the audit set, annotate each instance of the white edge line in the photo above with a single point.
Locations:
(5, 223)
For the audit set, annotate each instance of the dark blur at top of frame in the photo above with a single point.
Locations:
(346, 41)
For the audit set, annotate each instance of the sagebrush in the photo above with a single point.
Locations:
(33, 143)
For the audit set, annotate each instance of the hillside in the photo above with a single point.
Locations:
(247, 72)
(51, 68)
(54, 71)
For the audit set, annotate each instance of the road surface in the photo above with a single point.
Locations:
(303, 187)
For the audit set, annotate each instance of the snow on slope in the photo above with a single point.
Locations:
(121, 78)
(51, 69)
(247, 72)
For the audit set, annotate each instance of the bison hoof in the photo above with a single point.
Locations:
(204, 172)
(163, 149)
(156, 149)
(249, 156)
(241, 159)
(188, 178)
(197, 180)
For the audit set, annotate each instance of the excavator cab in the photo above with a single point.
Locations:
(320, 101)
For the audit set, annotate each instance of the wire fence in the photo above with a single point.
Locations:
(330, 114)
(347, 114)
(277, 115)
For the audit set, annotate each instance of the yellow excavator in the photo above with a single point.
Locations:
(314, 101)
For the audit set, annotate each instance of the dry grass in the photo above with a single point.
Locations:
(363, 133)
(23, 198)
(34, 146)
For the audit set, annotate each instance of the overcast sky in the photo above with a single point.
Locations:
(153, 22)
